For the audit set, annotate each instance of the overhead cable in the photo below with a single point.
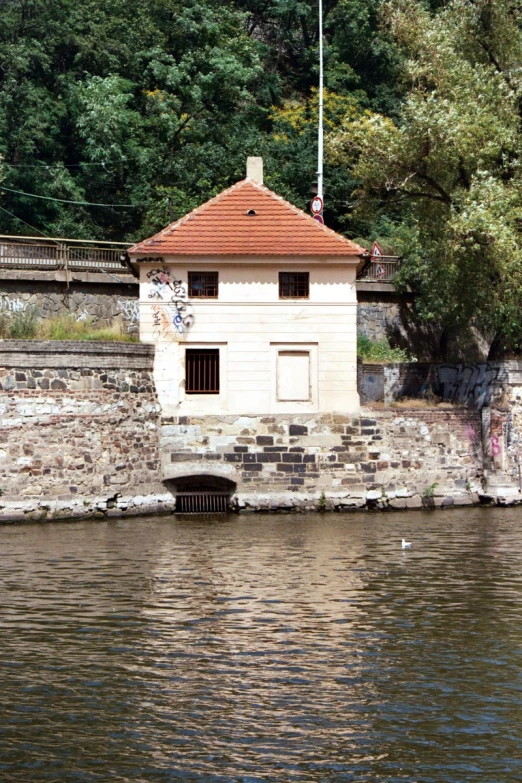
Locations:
(67, 201)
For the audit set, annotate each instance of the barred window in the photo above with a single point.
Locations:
(294, 285)
(202, 371)
(203, 285)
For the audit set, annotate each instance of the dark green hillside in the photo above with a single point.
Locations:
(138, 104)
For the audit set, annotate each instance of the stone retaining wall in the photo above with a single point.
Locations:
(78, 431)
(377, 320)
(474, 384)
(101, 298)
(388, 458)
(81, 435)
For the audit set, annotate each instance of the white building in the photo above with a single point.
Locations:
(252, 307)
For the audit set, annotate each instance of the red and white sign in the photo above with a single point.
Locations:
(316, 205)
(376, 251)
(380, 271)
(319, 218)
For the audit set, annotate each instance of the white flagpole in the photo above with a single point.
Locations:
(320, 139)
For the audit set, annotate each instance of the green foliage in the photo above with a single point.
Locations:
(137, 103)
(447, 171)
(26, 325)
(429, 492)
(67, 327)
(321, 503)
(22, 325)
(380, 351)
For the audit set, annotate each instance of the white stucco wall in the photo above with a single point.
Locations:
(251, 325)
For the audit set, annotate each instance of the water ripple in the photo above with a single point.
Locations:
(263, 649)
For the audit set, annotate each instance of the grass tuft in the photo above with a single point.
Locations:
(26, 325)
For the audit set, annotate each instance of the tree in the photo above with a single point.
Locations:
(112, 102)
(447, 174)
(108, 103)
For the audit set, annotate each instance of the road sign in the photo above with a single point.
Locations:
(380, 271)
(316, 205)
(319, 219)
(376, 250)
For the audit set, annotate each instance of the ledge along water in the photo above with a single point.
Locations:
(307, 648)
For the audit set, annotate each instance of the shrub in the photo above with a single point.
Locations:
(4, 324)
(380, 351)
(23, 325)
(26, 325)
(66, 327)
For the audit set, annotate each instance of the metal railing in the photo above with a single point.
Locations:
(380, 270)
(46, 256)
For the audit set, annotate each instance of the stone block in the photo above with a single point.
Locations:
(297, 429)
(189, 457)
(264, 440)
(291, 457)
(398, 503)
(263, 457)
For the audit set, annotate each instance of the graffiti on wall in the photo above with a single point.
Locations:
(130, 310)
(172, 294)
(161, 324)
(12, 305)
(472, 384)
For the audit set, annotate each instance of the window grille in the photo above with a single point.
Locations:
(202, 371)
(294, 285)
(203, 285)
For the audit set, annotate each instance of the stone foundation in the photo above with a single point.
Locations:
(78, 431)
(81, 435)
(387, 459)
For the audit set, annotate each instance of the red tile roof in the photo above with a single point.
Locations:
(247, 219)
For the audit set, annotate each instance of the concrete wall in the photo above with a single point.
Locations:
(251, 326)
(101, 298)
(78, 430)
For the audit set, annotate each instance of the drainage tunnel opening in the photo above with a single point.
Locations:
(203, 494)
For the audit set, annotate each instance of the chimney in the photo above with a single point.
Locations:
(255, 169)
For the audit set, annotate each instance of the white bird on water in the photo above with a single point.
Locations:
(405, 544)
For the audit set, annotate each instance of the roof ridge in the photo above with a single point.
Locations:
(166, 234)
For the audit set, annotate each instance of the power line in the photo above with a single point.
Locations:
(50, 165)
(67, 201)
(24, 222)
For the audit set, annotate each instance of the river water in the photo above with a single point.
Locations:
(263, 648)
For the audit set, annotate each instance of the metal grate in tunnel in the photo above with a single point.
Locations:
(202, 502)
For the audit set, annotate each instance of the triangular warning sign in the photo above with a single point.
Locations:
(376, 250)
(380, 271)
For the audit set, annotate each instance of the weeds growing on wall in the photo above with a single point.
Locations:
(22, 325)
(26, 325)
(381, 352)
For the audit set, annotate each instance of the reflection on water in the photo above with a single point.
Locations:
(263, 649)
